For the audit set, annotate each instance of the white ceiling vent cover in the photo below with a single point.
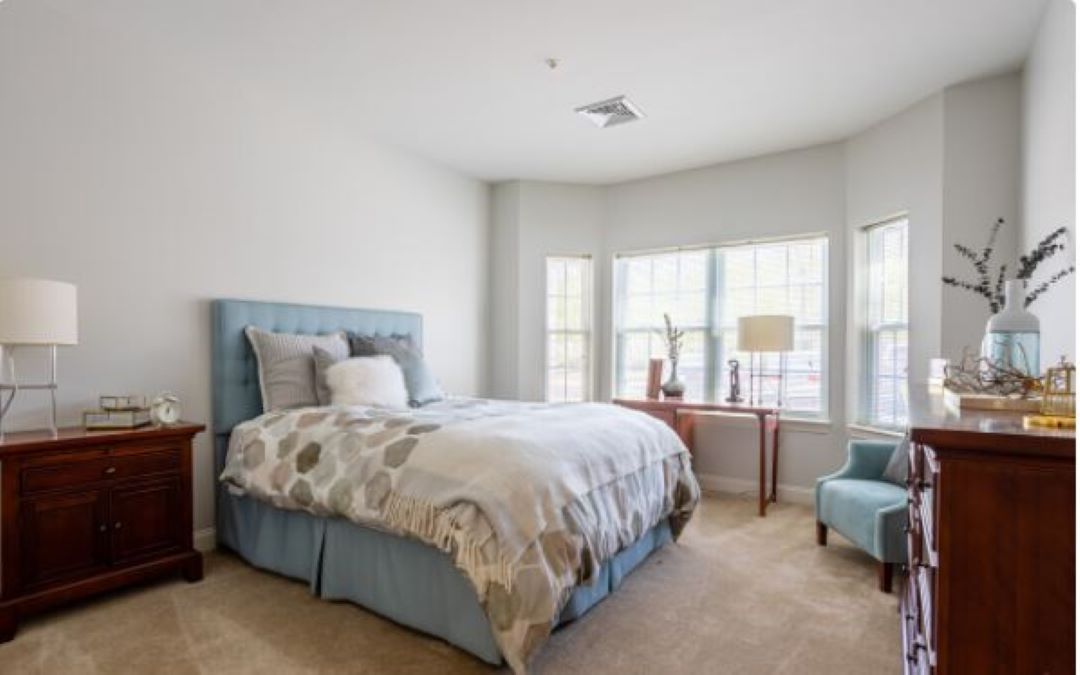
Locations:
(618, 110)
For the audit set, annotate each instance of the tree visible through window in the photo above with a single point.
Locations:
(706, 290)
(567, 363)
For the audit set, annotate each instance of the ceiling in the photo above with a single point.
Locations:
(465, 83)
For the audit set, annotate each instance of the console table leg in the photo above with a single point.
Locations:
(761, 466)
(775, 454)
(684, 427)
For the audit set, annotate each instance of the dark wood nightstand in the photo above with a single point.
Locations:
(91, 511)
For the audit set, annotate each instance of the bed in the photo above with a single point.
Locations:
(401, 578)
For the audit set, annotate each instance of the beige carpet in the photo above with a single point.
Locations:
(738, 594)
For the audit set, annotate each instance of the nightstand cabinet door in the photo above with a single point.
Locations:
(144, 519)
(63, 536)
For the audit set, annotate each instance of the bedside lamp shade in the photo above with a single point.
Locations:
(38, 312)
(766, 333)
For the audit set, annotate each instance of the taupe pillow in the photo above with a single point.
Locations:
(323, 361)
(287, 365)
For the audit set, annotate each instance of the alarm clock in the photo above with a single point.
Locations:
(165, 409)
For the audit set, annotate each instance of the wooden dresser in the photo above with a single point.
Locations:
(991, 545)
(91, 511)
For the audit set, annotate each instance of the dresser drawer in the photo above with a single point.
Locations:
(913, 642)
(76, 472)
(923, 576)
(914, 533)
(925, 488)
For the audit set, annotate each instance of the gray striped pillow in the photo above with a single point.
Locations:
(287, 365)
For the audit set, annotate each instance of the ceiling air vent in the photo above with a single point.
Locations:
(618, 110)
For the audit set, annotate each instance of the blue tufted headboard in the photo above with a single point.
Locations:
(235, 379)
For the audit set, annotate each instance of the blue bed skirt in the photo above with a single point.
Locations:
(407, 581)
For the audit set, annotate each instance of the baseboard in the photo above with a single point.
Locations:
(205, 539)
(725, 484)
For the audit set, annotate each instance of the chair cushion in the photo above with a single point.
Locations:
(850, 507)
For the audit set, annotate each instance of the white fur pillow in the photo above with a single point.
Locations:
(367, 380)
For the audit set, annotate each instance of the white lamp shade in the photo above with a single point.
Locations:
(38, 312)
(766, 333)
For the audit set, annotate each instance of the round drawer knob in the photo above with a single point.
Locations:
(110, 470)
(117, 525)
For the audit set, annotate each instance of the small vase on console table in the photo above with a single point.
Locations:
(674, 387)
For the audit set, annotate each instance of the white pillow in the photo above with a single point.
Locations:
(367, 380)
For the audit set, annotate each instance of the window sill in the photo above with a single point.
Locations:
(806, 424)
(871, 432)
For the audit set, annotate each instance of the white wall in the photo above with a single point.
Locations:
(156, 186)
(504, 293)
(1049, 168)
(981, 183)
(952, 163)
(897, 167)
(532, 220)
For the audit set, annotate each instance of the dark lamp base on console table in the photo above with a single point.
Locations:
(87, 512)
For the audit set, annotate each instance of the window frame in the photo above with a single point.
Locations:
(870, 335)
(714, 332)
(588, 388)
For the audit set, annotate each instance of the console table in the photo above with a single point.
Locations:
(680, 416)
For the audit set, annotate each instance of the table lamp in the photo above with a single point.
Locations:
(36, 313)
(766, 333)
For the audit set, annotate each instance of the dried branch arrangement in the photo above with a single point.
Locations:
(978, 375)
(991, 286)
(674, 338)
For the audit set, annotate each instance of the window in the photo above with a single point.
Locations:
(567, 362)
(706, 290)
(885, 338)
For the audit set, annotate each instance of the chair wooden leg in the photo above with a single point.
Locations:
(885, 574)
(822, 533)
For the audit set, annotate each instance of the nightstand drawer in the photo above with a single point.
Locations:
(87, 471)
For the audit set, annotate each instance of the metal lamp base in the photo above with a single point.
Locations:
(759, 376)
(7, 357)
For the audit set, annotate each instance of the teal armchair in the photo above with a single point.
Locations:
(865, 507)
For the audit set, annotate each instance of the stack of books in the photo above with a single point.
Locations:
(118, 412)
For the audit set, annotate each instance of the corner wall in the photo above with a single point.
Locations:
(532, 220)
(950, 161)
(981, 183)
(1049, 169)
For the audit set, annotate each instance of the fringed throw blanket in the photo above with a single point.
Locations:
(527, 498)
